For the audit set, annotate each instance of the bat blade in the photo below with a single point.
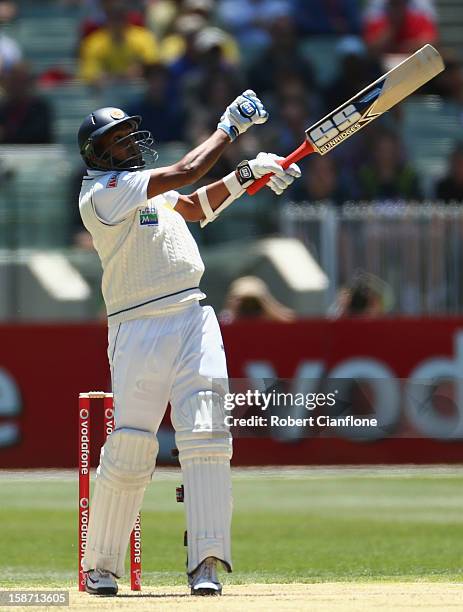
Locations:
(375, 99)
(364, 107)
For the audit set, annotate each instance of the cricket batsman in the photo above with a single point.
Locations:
(162, 345)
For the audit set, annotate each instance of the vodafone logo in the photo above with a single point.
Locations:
(137, 575)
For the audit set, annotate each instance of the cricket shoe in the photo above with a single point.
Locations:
(100, 582)
(204, 581)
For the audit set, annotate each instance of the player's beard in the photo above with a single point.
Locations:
(135, 159)
(132, 152)
(132, 156)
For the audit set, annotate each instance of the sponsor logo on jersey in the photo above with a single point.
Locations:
(112, 181)
(148, 216)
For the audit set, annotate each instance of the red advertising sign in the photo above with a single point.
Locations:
(44, 367)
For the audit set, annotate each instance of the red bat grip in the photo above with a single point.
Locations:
(305, 149)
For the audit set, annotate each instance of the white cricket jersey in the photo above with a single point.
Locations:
(151, 263)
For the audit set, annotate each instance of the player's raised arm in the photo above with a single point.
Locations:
(246, 110)
(210, 201)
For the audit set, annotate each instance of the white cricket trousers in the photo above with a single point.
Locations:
(179, 358)
(162, 359)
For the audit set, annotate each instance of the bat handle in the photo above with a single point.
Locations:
(305, 149)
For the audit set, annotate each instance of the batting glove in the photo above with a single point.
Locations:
(281, 179)
(244, 111)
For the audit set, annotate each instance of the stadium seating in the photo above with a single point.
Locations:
(33, 196)
(72, 101)
(430, 128)
(35, 181)
(450, 15)
(47, 32)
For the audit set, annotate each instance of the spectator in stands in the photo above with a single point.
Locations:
(365, 296)
(321, 183)
(283, 56)
(295, 108)
(356, 71)
(118, 50)
(450, 187)
(206, 96)
(213, 78)
(97, 11)
(203, 8)
(399, 26)
(25, 118)
(388, 176)
(160, 108)
(248, 19)
(10, 52)
(161, 16)
(249, 298)
(8, 11)
(211, 51)
(449, 83)
(336, 17)
(180, 49)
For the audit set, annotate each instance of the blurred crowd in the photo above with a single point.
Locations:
(195, 56)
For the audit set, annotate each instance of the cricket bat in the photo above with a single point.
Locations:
(365, 107)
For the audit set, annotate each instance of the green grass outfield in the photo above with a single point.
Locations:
(301, 525)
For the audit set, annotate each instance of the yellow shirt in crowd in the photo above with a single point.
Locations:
(101, 54)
